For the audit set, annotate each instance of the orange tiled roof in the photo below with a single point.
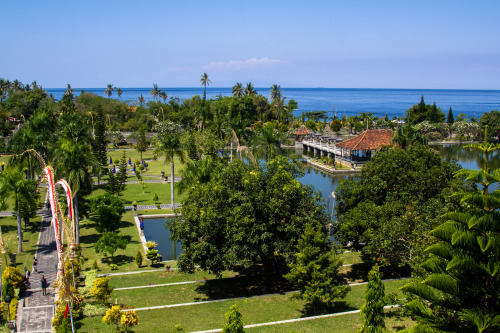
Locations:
(301, 131)
(368, 140)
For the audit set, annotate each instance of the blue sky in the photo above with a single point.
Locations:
(337, 44)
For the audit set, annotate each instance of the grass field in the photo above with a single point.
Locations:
(135, 192)
(30, 239)
(211, 315)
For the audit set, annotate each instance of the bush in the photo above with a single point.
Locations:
(57, 322)
(113, 316)
(152, 255)
(137, 162)
(101, 290)
(138, 258)
(158, 205)
(65, 326)
(129, 319)
(13, 307)
(90, 310)
(90, 277)
(141, 167)
(151, 245)
(94, 265)
(113, 267)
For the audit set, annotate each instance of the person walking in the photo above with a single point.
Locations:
(44, 285)
(35, 265)
(27, 276)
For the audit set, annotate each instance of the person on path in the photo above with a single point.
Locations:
(35, 265)
(27, 276)
(44, 285)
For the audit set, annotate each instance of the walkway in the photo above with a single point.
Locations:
(36, 311)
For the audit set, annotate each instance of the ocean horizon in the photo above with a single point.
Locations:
(338, 101)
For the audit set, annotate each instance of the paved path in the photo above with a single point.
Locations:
(36, 310)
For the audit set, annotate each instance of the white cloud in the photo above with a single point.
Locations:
(252, 63)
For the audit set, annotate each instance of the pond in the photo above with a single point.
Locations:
(154, 230)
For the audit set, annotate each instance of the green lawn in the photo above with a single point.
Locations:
(154, 167)
(123, 258)
(152, 278)
(135, 192)
(211, 316)
(351, 258)
(30, 239)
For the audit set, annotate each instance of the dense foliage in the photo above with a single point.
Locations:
(246, 214)
(460, 290)
(400, 195)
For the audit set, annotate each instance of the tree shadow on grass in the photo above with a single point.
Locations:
(245, 286)
(119, 260)
(324, 308)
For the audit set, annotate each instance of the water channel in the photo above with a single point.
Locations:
(327, 183)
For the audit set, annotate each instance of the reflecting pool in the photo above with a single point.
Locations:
(155, 230)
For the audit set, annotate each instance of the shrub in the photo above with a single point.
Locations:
(152, 255)
(57, 322)
(158, 205)
(113, 267)
(90, 277)
(137, 162)
(234, 324)
(13, 276)
(90, 310)
(13, 307)
(155, 197)
(113, 316)
(138, 258)
(141, 167)
(94, 265)
(101, 290)
(151, 245)
(129, 319)
(65, 326)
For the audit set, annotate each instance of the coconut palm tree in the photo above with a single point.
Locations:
(13, 183)
(141, 100)
(407, 135)
(169, 146)
(267, 140)
(71, 162)
(250, 90)
(109, 90)
(275, 92)
(205, 82)
(238, 90)
(279, 103)
(164, 96)
(119, 92)
(155, 92)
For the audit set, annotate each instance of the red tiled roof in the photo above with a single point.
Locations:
(368, 140)
(301, 131)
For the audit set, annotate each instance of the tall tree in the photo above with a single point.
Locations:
(316, 269)
(169, 146)
(460, 290)
(155, 92)
(141, 100)
(69, 91)
(372, 311)
(142, 142)
(250, 90)
(109, 90)
(13, 183)
(276, 93)
(205, 82)
(237, 90)
(164, 96)
(450, 119)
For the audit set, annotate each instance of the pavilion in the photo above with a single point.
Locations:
(362, 147)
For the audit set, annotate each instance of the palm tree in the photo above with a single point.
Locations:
(155, 92)
(250, 90)
(237, 90)
(13, 183)
(279, 103)
(109, 90)
(406, 136)
(119, 92)
(205, 82)
(169, 146)
(164, 96)
(141, 100)
(196, 172)
(275, 92)
(268, 140)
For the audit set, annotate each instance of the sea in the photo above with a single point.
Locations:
(339, 101)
